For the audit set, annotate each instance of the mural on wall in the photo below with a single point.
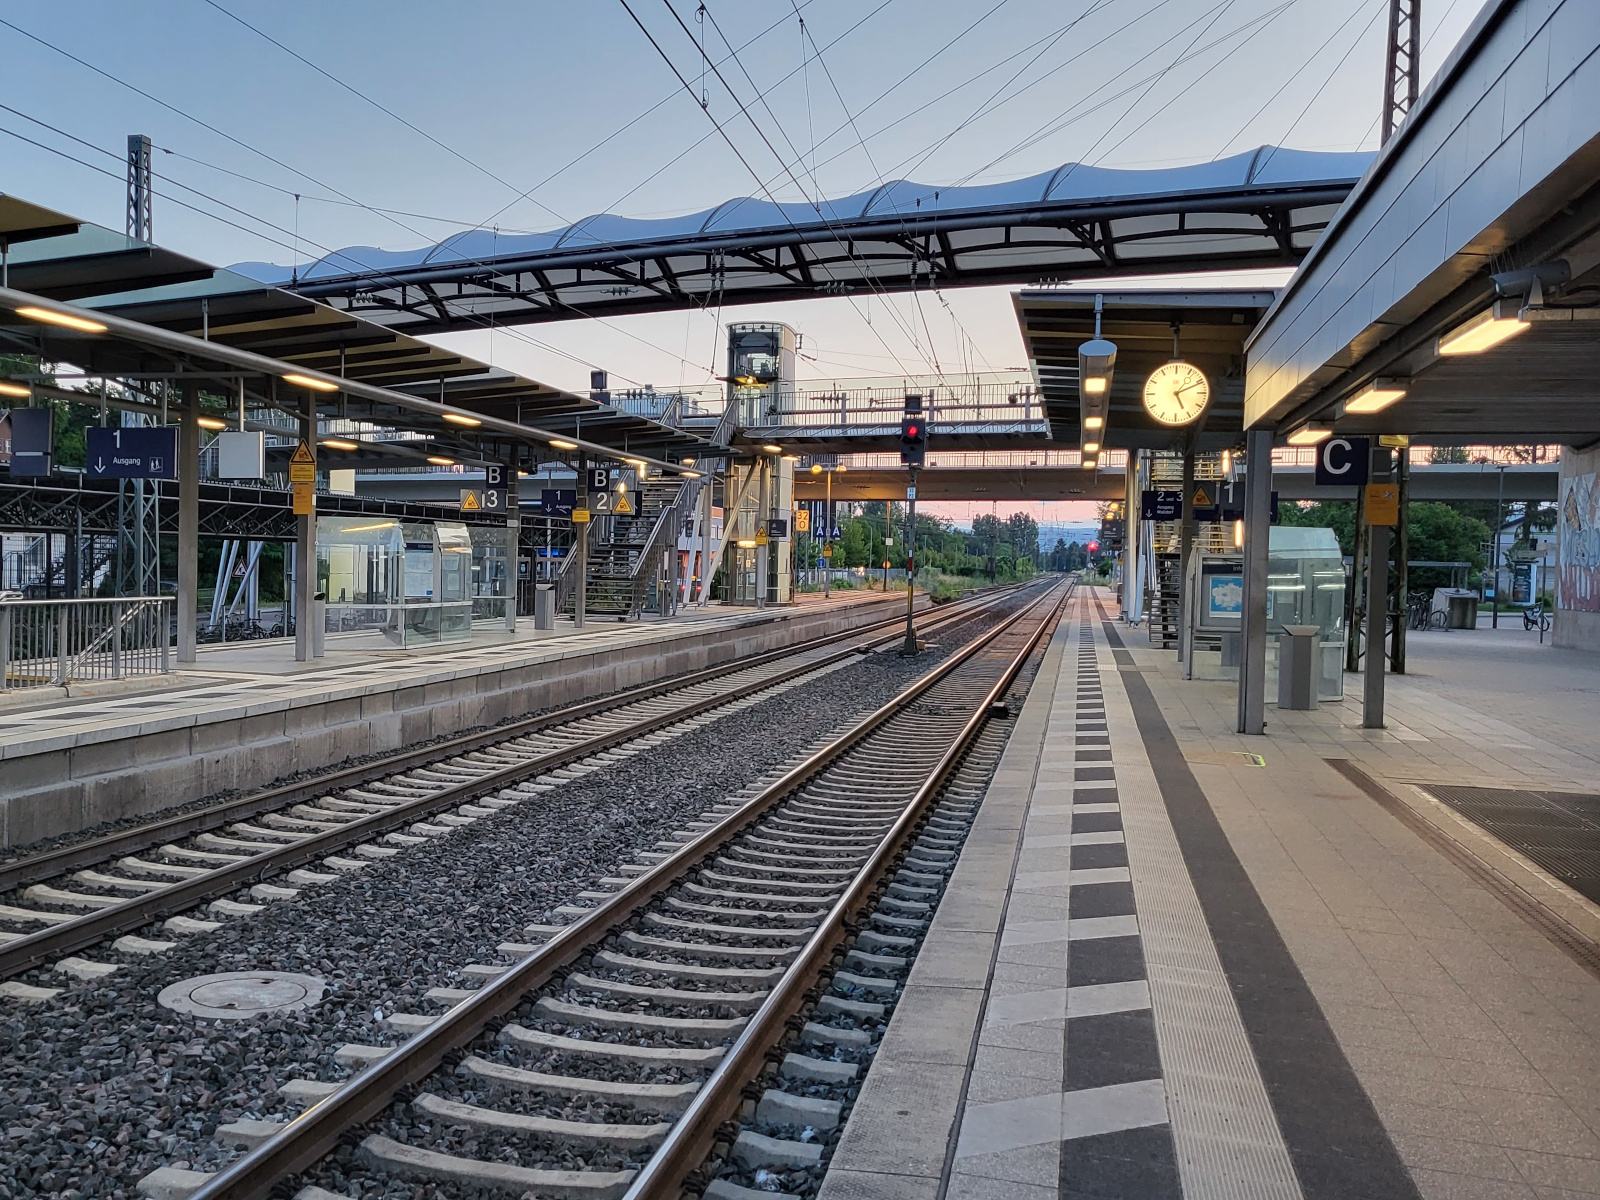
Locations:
(1580, 543)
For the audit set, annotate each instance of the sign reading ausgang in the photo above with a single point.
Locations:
(1343, 461)
(132, 453)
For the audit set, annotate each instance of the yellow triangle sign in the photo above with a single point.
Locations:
(469, 502)
(622, 504)
(302, 454)
(1201, 500)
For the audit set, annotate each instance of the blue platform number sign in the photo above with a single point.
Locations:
(1344, 462)
(150, 452)
(31, 436)
(558, 502)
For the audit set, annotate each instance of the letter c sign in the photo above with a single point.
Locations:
(1344, 462)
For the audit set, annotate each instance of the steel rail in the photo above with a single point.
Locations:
(318, 1130)
(693, 1134)
(23, 871)
(61, 939)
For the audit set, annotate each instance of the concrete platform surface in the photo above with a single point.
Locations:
(1178, 962)
(246, 715)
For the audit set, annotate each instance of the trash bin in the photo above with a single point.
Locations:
(1297, 666)
(319, 622)
(544, 606)
(1460, 606)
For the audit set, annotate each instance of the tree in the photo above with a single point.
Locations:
(1022, 531)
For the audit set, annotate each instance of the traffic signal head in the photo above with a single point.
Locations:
(1092, 547)
(913, 440)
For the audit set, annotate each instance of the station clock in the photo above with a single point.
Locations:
(1176, 393)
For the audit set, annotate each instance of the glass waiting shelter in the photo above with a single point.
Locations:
(1305, 586)
(410, 583)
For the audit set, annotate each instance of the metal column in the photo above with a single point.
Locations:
(1377, 607)
(514, 542)
(762, 502)
(1402, 553)
(305, 541)
(1257, 538)
(188, 522)
(580, 593)
(1185, 549)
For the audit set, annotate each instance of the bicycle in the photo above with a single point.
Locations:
(1535, 617)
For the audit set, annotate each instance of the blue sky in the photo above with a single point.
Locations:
(571, 104)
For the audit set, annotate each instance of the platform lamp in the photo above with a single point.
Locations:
(1097, 360)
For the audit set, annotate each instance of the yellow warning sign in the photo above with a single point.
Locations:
(1394, 440)
(302, 454)
(761, 537)
(304, 500)
(1201, 499)
(580, 516)
(1383, 504)
(622, 505)
(470, 501)
(827, 552)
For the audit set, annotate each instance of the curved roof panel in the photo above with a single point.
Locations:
(1260, 208)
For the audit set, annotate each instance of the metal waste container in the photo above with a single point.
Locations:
(1298, 646)
(319, 622)
(544, 606)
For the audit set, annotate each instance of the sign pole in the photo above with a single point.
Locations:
(910, 646)
(513, 540)
(188, 522)
(304, 461)
(827, 537)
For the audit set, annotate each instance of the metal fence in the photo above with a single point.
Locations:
(57, 642)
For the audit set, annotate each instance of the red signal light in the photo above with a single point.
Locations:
(1093, 546)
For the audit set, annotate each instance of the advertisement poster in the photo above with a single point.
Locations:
(1579, 544)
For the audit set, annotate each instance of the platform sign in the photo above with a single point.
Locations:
(558, 502)
(601, 502)
(1160, 505)
(32, 434)
(802, 520)
(1343, 462)
(911, 493)
(302, 465)
(777, 528)
(496, 491)
(599, 479)
(133, 452)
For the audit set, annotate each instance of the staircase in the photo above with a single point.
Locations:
(627, 561)
(36, 572)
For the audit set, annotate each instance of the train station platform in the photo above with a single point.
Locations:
(246, 715)
(1328, 962)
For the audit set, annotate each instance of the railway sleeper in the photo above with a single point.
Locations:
(590, 1133)
(737, 1001)
(411, 1162)
(668, 1099)
(661, 1056)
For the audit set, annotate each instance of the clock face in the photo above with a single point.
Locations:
(1176, 393)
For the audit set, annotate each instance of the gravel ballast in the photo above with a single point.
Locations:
(101, 1086)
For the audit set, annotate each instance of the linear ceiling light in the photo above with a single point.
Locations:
(1309, 435)
(462, 419)
(691, 474)
(1375, 397)
(772, 449)
(440, 460)
(316, 385)
(1095, 385)
(340, 444)
(1489, 328)
(563, 445)
(20, 390)
(66, 320)
(1094, 422)
(1091, 447)
(210, 423)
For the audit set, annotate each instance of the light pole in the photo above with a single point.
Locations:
(827, 523)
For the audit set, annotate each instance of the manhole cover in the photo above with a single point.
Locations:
(238, 995)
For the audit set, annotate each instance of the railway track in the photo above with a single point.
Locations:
(270, 843)
(627, 1038)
